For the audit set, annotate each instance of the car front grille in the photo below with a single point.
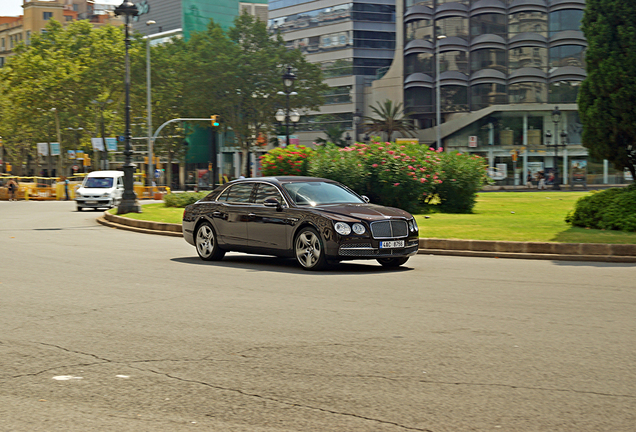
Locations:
(389, 229)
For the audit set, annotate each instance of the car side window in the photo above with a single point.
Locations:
(267, 191)
(240, 193)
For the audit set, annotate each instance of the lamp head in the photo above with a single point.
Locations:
(288, 78)
(280, 115)
(556, 115)
(127, 8)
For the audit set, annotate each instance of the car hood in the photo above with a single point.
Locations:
(94, 191)
(369, 212)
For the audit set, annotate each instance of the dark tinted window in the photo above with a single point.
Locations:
(267, 191)
(239, 193)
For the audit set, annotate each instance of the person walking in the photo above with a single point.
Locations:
(529, 180)
(12, 186)
(541, 178)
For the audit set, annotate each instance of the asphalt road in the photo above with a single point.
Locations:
(111, 330)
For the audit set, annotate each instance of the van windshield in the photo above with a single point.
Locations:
(99, 182)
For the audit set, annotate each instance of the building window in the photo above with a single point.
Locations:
(487, 94)
(454, 98)
(453, 26)
(564, 91)
(568, 19)
(453, 61)
(528, 92)
(528, 22)
(419, 29)
(488, 24)
(488, 58)
(47, 15)
(373, 39)
(338, 95)
(415, 63)
(419, 100)
(534, 57)
(1, 61)
(567, 55)
(337, 68)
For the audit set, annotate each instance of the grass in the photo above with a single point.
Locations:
(508, 216)
(519, 216)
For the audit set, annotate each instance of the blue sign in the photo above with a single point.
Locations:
(121, 138)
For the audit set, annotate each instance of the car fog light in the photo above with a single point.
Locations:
(343, 228)
(358, 228)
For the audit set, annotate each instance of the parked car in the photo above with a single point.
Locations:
(100, 189)
(313, 220)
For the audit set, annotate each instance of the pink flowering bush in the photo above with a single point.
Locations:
(284, 161)
(463, 176)
(411, 176)
(395, 175)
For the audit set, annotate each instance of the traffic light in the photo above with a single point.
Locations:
(216, 120)
(87, 160)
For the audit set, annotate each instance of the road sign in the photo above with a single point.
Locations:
(121, 138)
(472, 141)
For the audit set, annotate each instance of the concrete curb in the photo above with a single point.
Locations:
(600, 252)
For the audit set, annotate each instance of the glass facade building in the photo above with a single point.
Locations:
(502, 66)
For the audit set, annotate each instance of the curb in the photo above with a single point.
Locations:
(599, 252)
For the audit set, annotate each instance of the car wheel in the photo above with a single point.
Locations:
(207, 246)
(308, 249)
(393, 262)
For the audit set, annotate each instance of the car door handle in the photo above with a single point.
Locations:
(251, 215)
(217, 214)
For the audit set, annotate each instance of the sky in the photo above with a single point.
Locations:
(14, 7)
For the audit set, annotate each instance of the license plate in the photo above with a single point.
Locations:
(91, 202)
(389, 244)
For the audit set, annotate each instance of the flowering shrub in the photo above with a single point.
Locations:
(282, 161)
(395, 175)
(463, 176)
(408, 176)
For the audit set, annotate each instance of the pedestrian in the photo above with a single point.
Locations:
(529, 180)
(66, 194)
(12, 186)
(541, 179)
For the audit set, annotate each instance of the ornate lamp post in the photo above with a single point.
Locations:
(288, 81)
(556, 119)
(129, 203)
(438, 98)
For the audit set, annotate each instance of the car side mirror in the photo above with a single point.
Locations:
(273, 202)
(366, 199)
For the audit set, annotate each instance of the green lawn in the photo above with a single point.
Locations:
(519, 216)
(510, 216)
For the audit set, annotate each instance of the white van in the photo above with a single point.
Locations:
(100, 189)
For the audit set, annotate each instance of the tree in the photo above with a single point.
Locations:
(389, 119)
(237, 74)
(53, 80)
(606, 99)
(334, 135)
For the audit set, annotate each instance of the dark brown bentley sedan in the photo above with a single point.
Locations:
(313, 220)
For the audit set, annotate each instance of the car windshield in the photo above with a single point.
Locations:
(320, 193)
(99, 182)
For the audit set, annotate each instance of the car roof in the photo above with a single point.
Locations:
(284, 179)
(111, 173)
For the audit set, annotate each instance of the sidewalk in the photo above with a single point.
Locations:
(477, 248)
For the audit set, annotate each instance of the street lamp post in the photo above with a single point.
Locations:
(129, 202)
(556, 119)
(149, 109)
(438, 102)
(288, 81)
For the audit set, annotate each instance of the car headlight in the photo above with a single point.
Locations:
(78, 195)
(342, 228)
(413, 225)
(358, 228)
(105, 195)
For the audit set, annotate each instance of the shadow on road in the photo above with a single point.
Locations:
(288, 265)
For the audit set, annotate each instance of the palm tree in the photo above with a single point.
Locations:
(389, 119)
(334, 135)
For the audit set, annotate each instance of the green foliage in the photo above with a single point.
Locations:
(408, 176)
(183, 199)
(334, 135)
(389, 119)
(606, 98)
(463, 175)
(611, 209)
(283, 161)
